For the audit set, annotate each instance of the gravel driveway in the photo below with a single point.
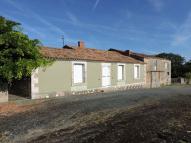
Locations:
(64, 112)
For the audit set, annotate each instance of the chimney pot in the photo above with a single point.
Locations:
(81, 44)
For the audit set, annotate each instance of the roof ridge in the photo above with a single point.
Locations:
(87, 54)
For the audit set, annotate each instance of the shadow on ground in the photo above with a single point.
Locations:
(155, 115)
(166, 121)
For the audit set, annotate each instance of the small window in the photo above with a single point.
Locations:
(155, 65)
(121, 72)
(137, 71)
(166, 65)
(78, 73)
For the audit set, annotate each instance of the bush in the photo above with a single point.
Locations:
(188, 77)
(19, 55)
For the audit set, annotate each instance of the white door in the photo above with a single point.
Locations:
(106, 75)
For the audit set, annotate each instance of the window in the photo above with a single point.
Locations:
(166, 65)
(120, 72)
(155, 65)
(136, 71)
(78, 73)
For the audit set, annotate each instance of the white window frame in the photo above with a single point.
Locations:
(109, 65)
(139, 76)
(84, 74)
(123, 72)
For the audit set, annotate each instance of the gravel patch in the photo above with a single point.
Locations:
(64, 112)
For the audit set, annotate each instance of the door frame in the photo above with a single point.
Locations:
(155, 79)
(105, 65)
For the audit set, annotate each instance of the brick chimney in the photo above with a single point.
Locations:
(81, 44)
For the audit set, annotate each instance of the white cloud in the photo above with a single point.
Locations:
(28, 27)
(45, 26)
(72, 18)
(151, 52)
(96, 4)
(168, 25)
(157, 4)
(26, 12)
(183, 35)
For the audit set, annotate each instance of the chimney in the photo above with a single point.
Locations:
(129, 52)
(81, 44)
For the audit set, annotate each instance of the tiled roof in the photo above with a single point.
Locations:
(79, 53)
(146, 56)
(137, 55)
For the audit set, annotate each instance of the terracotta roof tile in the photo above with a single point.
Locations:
(76, 53)
(147, 56)
(139, 55)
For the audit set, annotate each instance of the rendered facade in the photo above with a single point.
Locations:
(81, 70)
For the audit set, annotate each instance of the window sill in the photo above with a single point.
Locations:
(79, 84)
(137, 78)
(122, 80)
(79, 87)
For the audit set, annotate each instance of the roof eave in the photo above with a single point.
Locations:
(77, 59)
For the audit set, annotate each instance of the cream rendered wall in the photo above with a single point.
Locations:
(93, 75)
(55, 78)
(58, 77)
(130, 74)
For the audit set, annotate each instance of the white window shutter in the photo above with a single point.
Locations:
(120, 72)
(136, 71)
(78, 73)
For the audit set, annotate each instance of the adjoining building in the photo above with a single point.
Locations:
(158, 70)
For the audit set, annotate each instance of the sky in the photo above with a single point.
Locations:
(147, 26)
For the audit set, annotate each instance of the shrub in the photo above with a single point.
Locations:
(188, 77)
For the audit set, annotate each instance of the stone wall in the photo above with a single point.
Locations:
(21, 87)
(157, 72)
(91, 91)
(3, 92)
(3, 96)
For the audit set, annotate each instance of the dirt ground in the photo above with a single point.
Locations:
(11, 108)
(155, 115)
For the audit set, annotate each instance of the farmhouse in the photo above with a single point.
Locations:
(79, 70)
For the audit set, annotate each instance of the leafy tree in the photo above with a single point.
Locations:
(177, 63)
(187, 67)
(188, 77)
(19, 55)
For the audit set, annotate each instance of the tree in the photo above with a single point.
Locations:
(188, 77)
(187, 67)
(177, 63)
(19, 55)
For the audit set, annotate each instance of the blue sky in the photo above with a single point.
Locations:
(148, 26)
